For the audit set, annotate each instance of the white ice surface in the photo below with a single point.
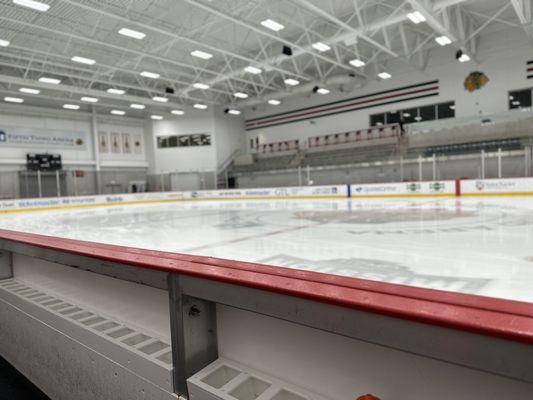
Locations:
(473, 245)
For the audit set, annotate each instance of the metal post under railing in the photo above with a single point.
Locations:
(434, 162)
(482, 164)
(499, 162)
(162, 183)
(401, 168)
(309, 181)
(420, 177)
(39, 184)
(75, 183)
(58, 184)
(226, 178)
(299, 175)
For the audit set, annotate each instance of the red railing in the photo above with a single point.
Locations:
(277, 147)
(377, 132)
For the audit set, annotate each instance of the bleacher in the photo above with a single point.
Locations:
(348, 155)
(473, 147)
(266, 164)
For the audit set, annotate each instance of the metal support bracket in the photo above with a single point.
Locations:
(193, 328)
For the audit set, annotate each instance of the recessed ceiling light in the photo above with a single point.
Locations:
(71, 106)
(29, 90)
(202, 86)
(418, 118)
(384, 75)
(13, 99)
(253, 70)
(157, 117)
(148, 74)
(233, 112)
(321, 46)
(201, 54)
(160, 99)
(274, 102)
(132, 33)
(443, 40)
(322, 91)
(35, 5)
(241, 95)
(138, 106)
(406, 115)
(118, 112)
(516, 103)
(178, 112)
(464, 58)
(452, 107)
(115, 91)
(4, 43)
(53, 81)
(357, 63)
(416, 17)
(291, 82)
(83, 60)
(89, 99)
(200, 106)
(273, 25)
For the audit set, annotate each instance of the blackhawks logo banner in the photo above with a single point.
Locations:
(475, 81)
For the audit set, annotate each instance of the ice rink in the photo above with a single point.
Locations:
(473, 245)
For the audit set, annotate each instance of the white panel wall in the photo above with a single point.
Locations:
(502, 56)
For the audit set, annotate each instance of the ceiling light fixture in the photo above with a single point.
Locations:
(201, 54)
(322, 91)
(138, 106)
(160, 99)
(83, 60)
(443, 40)
(464, 58)
(177, 112)
(132, 33)
(89, 99)
(291, 82)
(115, 91)
(234, 112)
(14, 100)
(200, 106)
(53, 81)
(357, 63)
(272, 25)
(202, 86)
(156, 117)
(118, 112)
(253, 70)
(322, 47)
(151, 75)
(416, 17)
(241, 95)
(4, 43)
(29, 90)
(71, 106)
(274, 102)
(34, 5)
(384, 75)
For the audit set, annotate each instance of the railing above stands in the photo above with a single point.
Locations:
(278, 147)
(377, 132)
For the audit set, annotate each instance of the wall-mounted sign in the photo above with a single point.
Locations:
(42, 138)
(103, 142)
(198, 139)
(115, 143)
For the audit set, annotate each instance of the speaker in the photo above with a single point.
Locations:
(169, 90)
(287, 51)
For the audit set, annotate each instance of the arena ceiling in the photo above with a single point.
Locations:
(203, 49)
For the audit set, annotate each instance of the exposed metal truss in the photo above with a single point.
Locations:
(377, 32)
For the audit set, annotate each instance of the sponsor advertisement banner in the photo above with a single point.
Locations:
(42, 138)
(497, 186)
(288, 192)
(403, 189)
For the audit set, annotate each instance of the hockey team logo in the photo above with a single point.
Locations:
(359, 189)
(3, 137)
(436, 187)
(413, 187)
(480, 185)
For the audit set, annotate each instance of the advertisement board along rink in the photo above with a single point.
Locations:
(471, 245)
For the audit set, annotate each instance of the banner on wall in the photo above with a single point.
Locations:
(42, 138)
(137, 144)
(126, 143)
(115, 143)
(103, 142)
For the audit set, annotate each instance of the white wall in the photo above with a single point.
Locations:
(227, 135)
(501, 55)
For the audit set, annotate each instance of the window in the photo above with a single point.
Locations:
(520, 99)
(415, 114)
